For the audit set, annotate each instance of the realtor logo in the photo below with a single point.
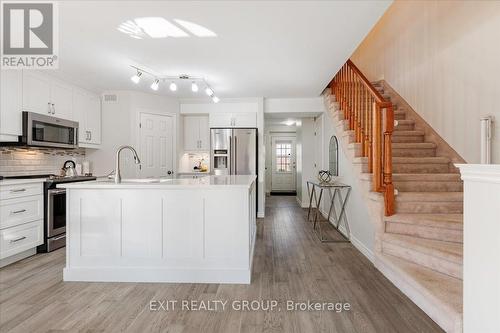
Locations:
(29, 35)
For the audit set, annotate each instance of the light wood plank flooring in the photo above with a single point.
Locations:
(290, 264)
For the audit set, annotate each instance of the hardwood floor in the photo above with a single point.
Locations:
(289, 264)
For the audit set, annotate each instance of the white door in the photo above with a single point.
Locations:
(283, 164)
(156, 152)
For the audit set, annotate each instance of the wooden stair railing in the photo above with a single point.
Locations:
(371, 118)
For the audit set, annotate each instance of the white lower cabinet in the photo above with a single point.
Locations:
(20, 238)
(21, 217)
(20, 210)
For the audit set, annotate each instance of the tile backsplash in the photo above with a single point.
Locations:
(189, 160)
(17, 161)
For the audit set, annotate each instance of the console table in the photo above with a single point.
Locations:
(315, 190)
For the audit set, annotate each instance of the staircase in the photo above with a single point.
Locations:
(420, 242)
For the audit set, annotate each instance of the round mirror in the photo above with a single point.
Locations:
(333, 150)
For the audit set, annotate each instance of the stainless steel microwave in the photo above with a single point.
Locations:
(47, 131)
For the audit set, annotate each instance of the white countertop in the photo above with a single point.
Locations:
(21, 181)
(242, 181)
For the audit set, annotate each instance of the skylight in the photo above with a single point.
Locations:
(196, 29)
(159, 27)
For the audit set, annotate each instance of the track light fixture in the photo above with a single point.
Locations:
(136, 77)
(174, 81)
(173, 86)
(155, 85)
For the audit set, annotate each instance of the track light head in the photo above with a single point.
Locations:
(215, 99)
(209, 91)
(173, 86)
(155, 85)
(137, 77)
(194, 87)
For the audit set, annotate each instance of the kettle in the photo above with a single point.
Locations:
(69, 171)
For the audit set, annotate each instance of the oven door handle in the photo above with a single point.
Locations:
(54, 192)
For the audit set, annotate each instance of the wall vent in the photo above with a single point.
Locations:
(110, 98)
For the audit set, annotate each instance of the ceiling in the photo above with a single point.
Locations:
(262, 48)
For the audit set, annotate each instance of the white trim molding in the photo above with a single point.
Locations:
(481, 247)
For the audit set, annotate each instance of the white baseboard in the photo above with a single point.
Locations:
(144, 274)
(356, 242)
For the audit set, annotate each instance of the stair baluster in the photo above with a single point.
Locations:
(371, 117)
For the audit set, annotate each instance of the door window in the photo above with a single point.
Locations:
(283, 157)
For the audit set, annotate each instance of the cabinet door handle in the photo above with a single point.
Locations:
(53, 108)
(49, 109)
(90, 135)
(18, 211)
(18, 190)
(17, 239)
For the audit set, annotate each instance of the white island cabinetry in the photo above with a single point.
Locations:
(183, 230)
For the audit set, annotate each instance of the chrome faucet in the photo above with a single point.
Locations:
(118, 177)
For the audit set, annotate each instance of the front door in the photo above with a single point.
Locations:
(156, 135)
(283, 177)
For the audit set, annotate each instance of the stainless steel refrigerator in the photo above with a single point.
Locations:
(233, 151)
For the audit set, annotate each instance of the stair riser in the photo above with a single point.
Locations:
(428, 232)
(413, 152)
(399, 116)
(422, 186)
(435, 263)
(404, 127)
(429, 207)
(420, 168)
(407, 138)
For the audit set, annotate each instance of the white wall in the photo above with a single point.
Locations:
(307, 158)
(120, 126)
(362, 230)
(442, 57)
(290, 106)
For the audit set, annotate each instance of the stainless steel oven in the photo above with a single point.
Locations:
(47, 131)
(54, 228)
(56, 218)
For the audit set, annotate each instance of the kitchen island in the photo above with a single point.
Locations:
(199, 230)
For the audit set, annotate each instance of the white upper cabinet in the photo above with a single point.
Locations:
(45, 95)
(240, 119)
(36, 93)
(11, 99)
(204, 133)
(61, 98)
(93, 124)
(196, 133)
(87, 111)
